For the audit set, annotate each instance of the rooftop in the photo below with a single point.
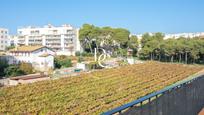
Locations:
(45, 26)
(26, 48)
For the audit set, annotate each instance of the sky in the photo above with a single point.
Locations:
(138, 16)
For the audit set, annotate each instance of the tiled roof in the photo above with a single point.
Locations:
(26, 48)
(44, 55)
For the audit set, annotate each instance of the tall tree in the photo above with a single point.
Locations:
(106, 37)
(145, 38)
(133, 44)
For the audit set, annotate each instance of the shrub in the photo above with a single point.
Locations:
(3, 65)
(86, 54)
(77, 53)
(26, 67)
(62, 61)
(94, 65)
(80, 59)
(13, 70)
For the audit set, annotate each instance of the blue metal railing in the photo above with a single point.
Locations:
(155, 94)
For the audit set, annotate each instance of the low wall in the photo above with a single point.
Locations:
(28, 79)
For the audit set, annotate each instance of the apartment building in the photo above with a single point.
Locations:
(13, 40)
(63, 39)
(3, 39)
(185, 35)
(175, 36)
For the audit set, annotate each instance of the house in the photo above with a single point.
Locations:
(41, 57)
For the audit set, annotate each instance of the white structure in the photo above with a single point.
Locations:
(186, 35)
(3, 39)
(81, 66)
(41, 57)
(61, 39)
(175, 36)
(13, 40)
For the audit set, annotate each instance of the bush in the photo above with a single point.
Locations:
(26, 68)
(13, 70)
(62, 61)
(3, 66)
(77, 53)
(10, 47)
(83, 54)
(87, 54)
(94, 65)
(123, 52)
(80, 59)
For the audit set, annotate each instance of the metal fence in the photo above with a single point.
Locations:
(185, 98)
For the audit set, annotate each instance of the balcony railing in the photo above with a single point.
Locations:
(153, 95)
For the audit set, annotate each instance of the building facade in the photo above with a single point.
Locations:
(4, 41)
(174, 36)
(63, 39)
(41, 57)
(185, 35)
(13, 40)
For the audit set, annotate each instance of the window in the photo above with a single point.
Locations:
(31, 32)
(55, 31)
(37, 31)
(20, 32)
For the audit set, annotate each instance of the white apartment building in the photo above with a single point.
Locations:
(3, 39)
(63, 39)
(175, 36)
(13, 40)
(185, 35)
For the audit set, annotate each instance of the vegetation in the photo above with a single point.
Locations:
(154, 47)
(3, 66)
(26, 67)
(62, 61)
(86, 54)
(10, 47)
(92, 93)
(94, 65)
(111, 39)
(14, 70)
(183, 50)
